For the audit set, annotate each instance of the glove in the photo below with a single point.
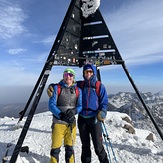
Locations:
(50, 91)
(70, 116)
(67, 116)
(101, 115)
(73, 110)
(62, 116)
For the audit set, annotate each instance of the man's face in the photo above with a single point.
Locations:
(68, 78)
(88, 73)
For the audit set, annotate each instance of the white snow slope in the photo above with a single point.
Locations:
(128, 148)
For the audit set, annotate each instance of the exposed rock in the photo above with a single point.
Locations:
(130, 129)
(150, 137)
(127, 119)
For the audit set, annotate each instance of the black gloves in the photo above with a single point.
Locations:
(68, 115)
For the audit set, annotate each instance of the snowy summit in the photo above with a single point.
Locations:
(130, 145)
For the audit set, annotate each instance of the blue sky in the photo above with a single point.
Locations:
(28, 30)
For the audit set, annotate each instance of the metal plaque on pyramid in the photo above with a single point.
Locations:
(84, 40)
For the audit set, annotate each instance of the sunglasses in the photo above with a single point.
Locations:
(68, 74)
(88, 71)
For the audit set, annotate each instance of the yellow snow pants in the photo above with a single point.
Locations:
(67, 134)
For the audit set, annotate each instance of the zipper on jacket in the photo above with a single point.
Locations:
(88, 98)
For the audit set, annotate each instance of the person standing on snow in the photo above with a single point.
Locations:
(64, 104)
(94, 111)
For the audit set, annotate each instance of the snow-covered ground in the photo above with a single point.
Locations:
(128, 148)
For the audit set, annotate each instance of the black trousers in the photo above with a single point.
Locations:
(91, 127)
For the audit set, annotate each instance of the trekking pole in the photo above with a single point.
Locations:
(104, 135)
(72, 141)
(107, 136)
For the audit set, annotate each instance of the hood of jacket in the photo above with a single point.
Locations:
(93, 78)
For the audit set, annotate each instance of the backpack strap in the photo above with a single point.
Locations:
(59, 89)
(77, 91)
(98, 83)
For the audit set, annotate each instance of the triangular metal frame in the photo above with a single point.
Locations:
(79, 40)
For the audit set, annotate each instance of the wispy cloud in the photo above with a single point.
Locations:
(11, 19)
(137, 29)
(16, 51)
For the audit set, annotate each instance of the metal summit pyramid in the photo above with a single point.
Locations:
(80, 40)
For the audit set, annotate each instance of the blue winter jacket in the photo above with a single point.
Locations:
(53, 100)
(92, 104)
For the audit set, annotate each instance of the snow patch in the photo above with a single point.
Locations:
(127, 147)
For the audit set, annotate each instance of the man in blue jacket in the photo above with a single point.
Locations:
(94, 111)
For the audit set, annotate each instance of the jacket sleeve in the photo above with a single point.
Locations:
(53, 103)
(79, 102)
(103, 99)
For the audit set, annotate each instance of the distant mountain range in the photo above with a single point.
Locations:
(129, 103)
(124, 102)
